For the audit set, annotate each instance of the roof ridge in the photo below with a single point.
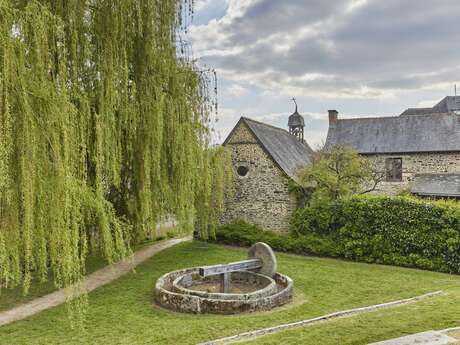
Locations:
(395, 117)
(265, 124)
(429, 114)
(369, 118)
(304, 143)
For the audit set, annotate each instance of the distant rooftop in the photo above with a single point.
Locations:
(437, 185)
(448, 104)
(435, 129)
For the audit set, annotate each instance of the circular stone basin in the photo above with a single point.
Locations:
(182, 291)
(245, 285)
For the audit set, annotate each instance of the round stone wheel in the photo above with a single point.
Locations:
(264, 253)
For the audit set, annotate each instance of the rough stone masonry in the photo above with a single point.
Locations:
(262, 195)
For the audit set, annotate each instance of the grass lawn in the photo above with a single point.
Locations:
(122, 312)
(431, 314)
(10, 298)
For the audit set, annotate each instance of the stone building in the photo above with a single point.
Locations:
(265, 159)
(419, 150)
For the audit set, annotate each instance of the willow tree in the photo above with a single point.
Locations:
(104, 130)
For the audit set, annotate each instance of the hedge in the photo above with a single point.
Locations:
(400, 231)
(241, 233)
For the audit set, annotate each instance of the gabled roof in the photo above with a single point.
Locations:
(417, 111)
(400, 134)
(286, 151)
(440, 185)
(446, 105)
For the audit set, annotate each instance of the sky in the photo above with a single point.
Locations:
(360, 57)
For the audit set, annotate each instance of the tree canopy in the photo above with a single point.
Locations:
(337, 173)
(104, 130)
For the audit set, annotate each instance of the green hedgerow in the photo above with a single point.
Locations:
(402, 231)
(399, 231)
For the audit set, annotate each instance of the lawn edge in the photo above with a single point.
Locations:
(91, 282)
(250, 335)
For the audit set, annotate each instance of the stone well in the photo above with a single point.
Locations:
(188, 291)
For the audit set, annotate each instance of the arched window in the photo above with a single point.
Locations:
(242, 170)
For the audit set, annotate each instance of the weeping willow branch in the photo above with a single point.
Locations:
(103, 132)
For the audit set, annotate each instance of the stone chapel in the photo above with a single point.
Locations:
(265, 158)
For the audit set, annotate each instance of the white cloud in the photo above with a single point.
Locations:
(236, 90)
(362, 57)
(353, 48)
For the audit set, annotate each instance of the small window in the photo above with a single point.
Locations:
(393, 169)
(242, 170)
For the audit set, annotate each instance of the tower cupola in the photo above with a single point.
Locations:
(296, 124)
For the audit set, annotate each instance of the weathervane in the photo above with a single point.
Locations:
(295, 102)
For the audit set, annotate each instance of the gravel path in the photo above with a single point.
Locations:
(91, 282)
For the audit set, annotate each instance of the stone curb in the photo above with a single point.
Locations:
(426, 338)
(309, 322)
(449, 330)
(90, 282)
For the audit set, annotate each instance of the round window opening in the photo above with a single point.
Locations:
(242, 171)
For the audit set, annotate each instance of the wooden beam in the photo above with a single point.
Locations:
(230, 267)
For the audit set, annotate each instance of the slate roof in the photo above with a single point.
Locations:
(286, 151)
(440, 185)
(417, 111)
(446, 105)
(400, 134)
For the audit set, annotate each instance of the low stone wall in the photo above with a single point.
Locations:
(167, 297)
(266, 286)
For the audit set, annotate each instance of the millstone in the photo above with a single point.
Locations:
(264, 253)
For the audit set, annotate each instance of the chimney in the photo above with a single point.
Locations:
(333, 117)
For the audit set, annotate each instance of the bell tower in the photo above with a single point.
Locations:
(296, 124)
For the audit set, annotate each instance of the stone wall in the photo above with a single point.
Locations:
(262, 196)
(417, 163)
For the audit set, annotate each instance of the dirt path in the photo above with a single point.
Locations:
(91, 282)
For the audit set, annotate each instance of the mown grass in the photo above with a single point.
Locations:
(11, 297)
(122, 312)
(432, 314)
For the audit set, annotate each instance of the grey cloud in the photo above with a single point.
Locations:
(267, 17)
(380, 45)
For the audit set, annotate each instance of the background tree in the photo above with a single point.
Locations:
(339, 172)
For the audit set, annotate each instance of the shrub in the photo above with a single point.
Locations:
(400, 231)
(241, 233)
